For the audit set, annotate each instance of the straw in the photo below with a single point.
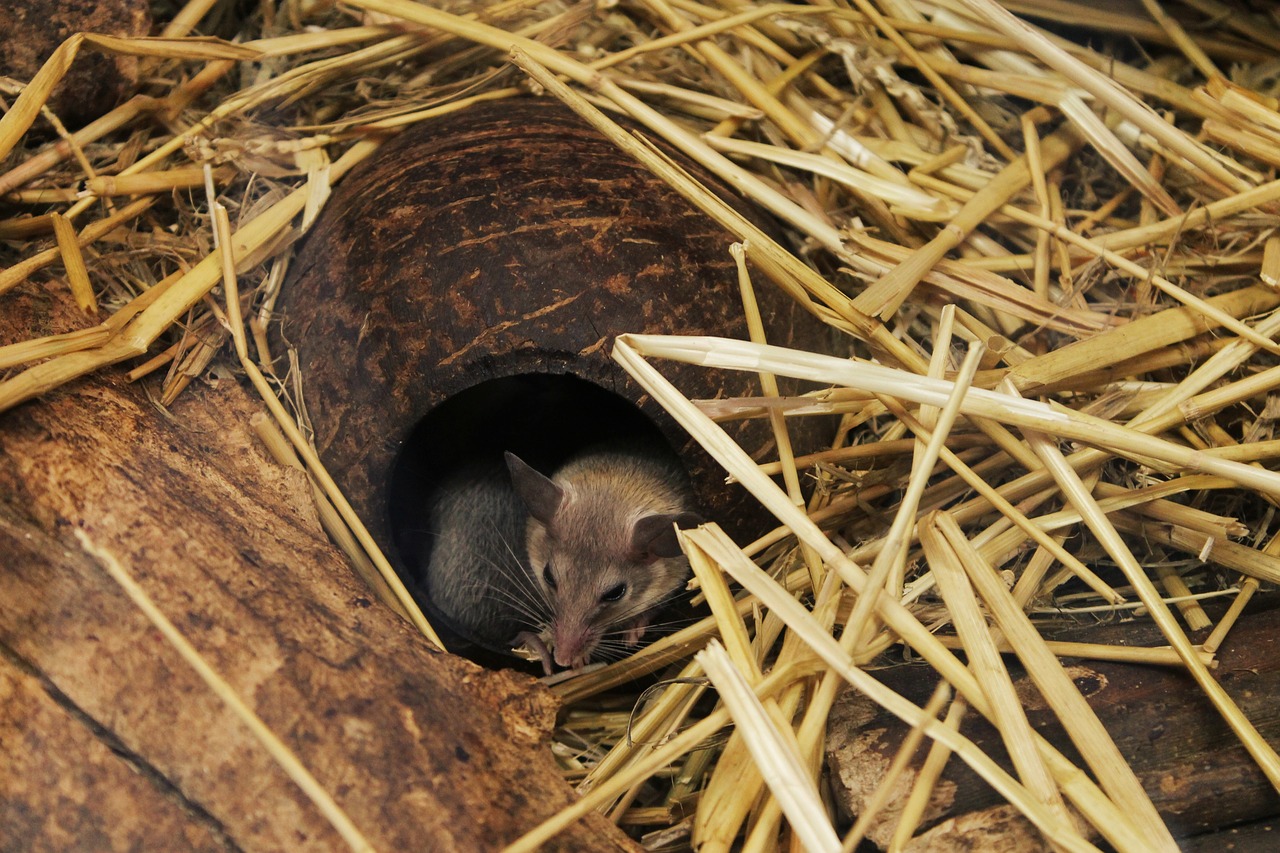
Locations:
(1105, 91)
(1073, 711)
(718, 546)
(895, 616)
(1254, 743)
(886, 295)
(1027, 414)
(783, 770)
(947, 556)
(1132, 290)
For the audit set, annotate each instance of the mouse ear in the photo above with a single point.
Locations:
(654, 536)
(540, 494)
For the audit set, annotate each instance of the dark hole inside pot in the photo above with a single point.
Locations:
(541, 417)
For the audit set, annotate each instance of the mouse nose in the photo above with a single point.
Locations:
(573, 645)
(570, 660)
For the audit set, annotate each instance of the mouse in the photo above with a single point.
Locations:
(601, 546)
(573, 565)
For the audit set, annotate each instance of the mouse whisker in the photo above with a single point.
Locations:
(525, 578)
(532, 610)
(519, 582)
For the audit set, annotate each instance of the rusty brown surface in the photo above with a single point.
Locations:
(509, 239)
(30, 31)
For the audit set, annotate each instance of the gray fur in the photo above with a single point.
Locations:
(477, 575)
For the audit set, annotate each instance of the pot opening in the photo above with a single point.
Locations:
(543, 418)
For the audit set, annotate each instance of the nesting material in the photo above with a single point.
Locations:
(1053, 274)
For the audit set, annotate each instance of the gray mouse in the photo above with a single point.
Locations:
(583, 558)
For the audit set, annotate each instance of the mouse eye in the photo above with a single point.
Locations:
(614, 593)
(548, 577)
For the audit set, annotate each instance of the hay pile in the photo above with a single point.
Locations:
(1055, 267)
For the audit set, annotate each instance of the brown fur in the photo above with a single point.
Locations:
(589, 542)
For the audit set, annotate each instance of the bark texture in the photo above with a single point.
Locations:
(109, 739)
(1192, 766)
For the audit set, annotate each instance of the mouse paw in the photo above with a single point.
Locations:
(535, 644)
(635, 629)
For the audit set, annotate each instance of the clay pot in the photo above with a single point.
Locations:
(461, 291)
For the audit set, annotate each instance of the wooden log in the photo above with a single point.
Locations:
(1259, 837)
(1195, 771)
(110, 741)
(65, 786)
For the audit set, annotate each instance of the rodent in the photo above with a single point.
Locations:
(583, 558)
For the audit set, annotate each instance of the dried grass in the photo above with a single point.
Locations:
(1091, 232)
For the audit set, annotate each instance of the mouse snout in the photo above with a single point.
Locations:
(573, 644)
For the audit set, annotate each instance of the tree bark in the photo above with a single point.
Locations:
(1196, 772)
(110, 740)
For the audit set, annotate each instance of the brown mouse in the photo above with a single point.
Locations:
(602, 547)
